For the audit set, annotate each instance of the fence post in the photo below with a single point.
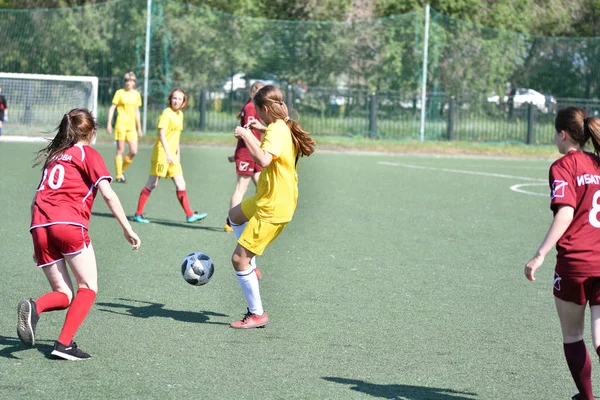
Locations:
(451, 119)
(289, 97)
(202, 109)
(531, 123)
(373, 115)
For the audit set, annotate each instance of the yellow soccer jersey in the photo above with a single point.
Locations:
(172, 122)
(127, 103)
(277, 188)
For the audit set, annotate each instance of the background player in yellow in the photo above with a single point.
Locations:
(127, 102)
(259, 219)
(166, 158)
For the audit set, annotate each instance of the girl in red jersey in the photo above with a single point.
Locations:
(575, 230)
(73, 172)
(245, 166)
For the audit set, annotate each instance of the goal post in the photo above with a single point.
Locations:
(37, 103)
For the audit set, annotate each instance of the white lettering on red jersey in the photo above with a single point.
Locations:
(68, 187)
(573, 183)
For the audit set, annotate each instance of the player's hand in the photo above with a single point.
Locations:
(109, 129)
(170, 159)
(231, 158)
(240, 131)
(140, 133)
(255, 124)
(532, 266)
(133, 238)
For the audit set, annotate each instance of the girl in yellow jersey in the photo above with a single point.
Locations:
(259, 219)
(127, 102)
(166, 157)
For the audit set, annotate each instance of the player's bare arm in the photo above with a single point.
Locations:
(256, 124)
(559, 225)
(262, 158)
(138, 122)
(111, 113)
(163, 140)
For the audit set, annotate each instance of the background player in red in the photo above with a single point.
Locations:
(3, 110)
(245, 166)
(575, 230)
(73, 172)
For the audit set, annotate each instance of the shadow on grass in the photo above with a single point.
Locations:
(193, 225)
(404, 392)
(11, 345)
(147, 309)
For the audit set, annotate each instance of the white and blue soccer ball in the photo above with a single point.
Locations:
(197, 268)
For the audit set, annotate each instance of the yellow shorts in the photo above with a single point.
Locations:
(258, 234)
(128, 135)
(163, 169)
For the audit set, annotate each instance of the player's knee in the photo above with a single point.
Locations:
(236, 261)
(573, 334)
(132, 153)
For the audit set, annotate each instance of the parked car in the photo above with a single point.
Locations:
(243, 81)
(521, 97)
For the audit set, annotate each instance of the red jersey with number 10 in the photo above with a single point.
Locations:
(575, 182)
(68, 187)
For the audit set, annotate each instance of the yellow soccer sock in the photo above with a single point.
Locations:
(119, 166)
(126, 161)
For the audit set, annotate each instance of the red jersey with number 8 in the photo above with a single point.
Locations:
(575, 182)
(68, 187)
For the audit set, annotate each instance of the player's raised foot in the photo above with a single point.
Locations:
(227, 227)
(70, 352)
(140, 218)
(196, 217)
(27, 321)
(251, 321)
(257, 272)
(255, 268)
(121, 179)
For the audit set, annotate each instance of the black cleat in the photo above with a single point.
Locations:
(71, 352)
(27, 321)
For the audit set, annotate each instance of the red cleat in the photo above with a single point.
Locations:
(257, 272)
(251, 321)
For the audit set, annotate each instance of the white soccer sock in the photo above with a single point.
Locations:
(249, 284)
(237, 231)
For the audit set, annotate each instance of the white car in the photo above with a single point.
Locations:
(522, 97)
(238, 82)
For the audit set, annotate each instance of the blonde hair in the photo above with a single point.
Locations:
(272, 98)
(130, 76)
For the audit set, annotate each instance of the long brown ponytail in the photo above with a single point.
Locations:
(272, 97)
(76, 125)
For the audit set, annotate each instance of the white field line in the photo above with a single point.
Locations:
(515, 188)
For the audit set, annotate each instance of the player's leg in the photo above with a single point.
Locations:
(255, 177)
(238, 219)
(248, 281)
(119, 159)
(59, 298)
(571, 316)
(241, 187)
(144, 195)
(177, 175)
(49, 258)
(83, 266)
(133, 149)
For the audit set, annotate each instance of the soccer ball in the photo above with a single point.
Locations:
(197, 268)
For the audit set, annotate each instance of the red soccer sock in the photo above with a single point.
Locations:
(580, 366)
(51, 301)
(142, 201)
(183, 200)
(83, 301)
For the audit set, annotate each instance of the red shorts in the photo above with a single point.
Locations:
(51, 243)
(245, 165)
(578, 290)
